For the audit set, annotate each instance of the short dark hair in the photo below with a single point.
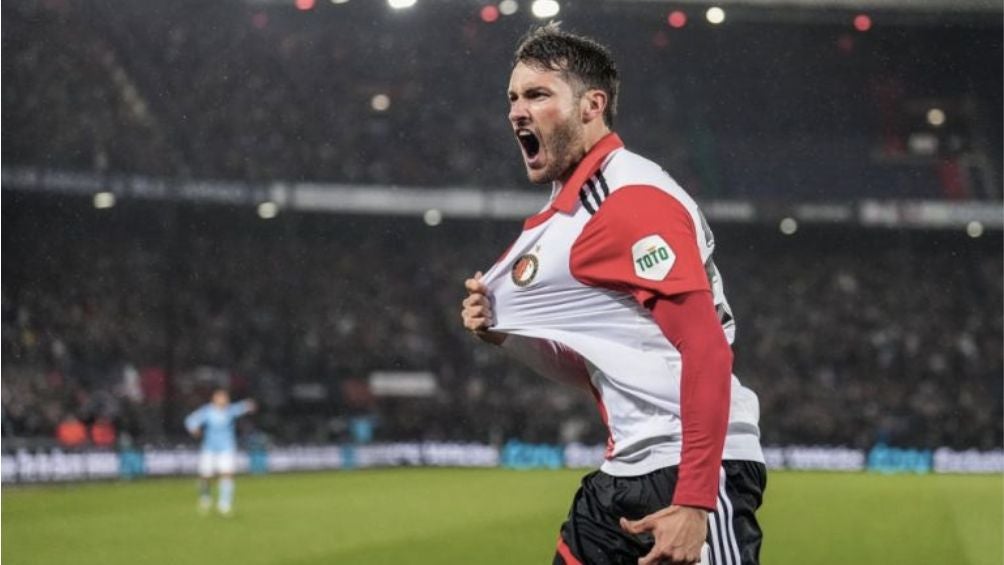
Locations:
(578, 57)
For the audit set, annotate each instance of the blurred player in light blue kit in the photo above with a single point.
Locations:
(214, 422)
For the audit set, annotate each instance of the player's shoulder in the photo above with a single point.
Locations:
(635, 178)
(200, 412)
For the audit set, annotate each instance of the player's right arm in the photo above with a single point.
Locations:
(546, 358)
(477, 311)
(195, 421)
(549, 359)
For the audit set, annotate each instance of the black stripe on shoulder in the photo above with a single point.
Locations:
(595, 192)
(603, 183)
(585, 201)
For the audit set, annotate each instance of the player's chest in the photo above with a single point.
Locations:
(539, 259)
(217, 418)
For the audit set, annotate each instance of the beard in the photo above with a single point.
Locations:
(562, 150)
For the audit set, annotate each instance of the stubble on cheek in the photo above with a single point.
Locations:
(562, 149)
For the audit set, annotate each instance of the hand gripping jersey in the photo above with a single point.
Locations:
(617, 234)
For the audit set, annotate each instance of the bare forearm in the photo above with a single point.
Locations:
(549, 359)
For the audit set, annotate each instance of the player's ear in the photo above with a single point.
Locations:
(593, 104)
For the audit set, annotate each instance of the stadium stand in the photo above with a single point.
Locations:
(851, 337)
(257, 92)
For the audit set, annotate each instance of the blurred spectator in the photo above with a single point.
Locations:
(103, 433)
(71, 432)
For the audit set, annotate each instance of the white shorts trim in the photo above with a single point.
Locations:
(724, 549)
(217, 463)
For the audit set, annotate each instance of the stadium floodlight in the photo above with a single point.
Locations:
(104, 200)
(508, 7)
(380, 102)
(936, 117)
(974, 229)
(715, 15)
(268, 210)
(401, 4)
(788, 226)
(545, 8)
(433, 217)
(339, 1)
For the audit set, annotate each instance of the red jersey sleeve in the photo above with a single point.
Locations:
(641, 241)
(690, 323)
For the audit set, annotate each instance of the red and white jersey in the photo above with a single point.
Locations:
(619, 232)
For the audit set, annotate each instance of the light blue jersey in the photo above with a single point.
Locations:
(217, 425)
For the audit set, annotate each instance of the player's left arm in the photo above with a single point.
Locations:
(644, 242)
(689, 321)
(243, 407)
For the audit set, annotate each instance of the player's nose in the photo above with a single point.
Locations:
(518, 114)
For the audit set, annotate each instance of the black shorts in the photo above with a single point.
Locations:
(592, 534)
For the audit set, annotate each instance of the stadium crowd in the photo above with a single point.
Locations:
(253, 92)
(850, 337)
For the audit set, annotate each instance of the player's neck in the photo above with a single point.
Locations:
(592, 134)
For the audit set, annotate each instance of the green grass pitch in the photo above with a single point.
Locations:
(440, 516)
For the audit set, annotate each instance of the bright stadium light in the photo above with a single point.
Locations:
(104, 200)
(545, 8)
(788, 226)
(400, 4)
(433, 217)
(489, 14)
(677, 19)
(380, 102)
(862, 22)
(974, 229)
(339, 1)
(268, 210)
(508, 7)
(715, 15)
(936, 117)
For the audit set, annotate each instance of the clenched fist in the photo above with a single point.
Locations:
(477, 311)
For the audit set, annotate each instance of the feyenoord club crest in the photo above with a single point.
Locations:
(525, 270)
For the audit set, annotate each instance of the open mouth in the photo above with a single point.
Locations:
(529, 141)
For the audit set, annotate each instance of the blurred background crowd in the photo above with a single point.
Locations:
(849, 336)
(117, 322)
(358, 93)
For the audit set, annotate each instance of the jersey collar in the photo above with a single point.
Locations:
(568, 194)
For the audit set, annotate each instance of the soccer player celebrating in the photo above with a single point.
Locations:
(611, 287)
(214, 422)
